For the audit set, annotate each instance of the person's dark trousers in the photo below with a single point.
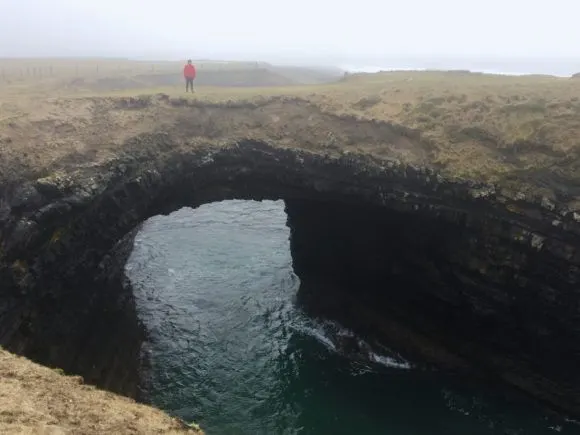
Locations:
(188, 84)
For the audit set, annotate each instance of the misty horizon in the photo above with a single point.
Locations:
(515, 37)
(257, 28)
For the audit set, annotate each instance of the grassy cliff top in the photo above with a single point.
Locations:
(518, 132)
(36, 399)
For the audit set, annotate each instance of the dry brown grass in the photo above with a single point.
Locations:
(58, 76)
(13, 71)
(38, 400)
(474, 116)
(499, 129)
(483, 126)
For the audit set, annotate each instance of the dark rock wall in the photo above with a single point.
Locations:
(447, 270)
(457, 292)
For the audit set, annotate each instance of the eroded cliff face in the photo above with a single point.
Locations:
(451, 272)
(452, 289)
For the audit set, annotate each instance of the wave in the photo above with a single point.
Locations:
(344, 341)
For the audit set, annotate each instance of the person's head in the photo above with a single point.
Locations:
(189, 62)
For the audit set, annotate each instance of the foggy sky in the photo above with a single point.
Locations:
(303, 29)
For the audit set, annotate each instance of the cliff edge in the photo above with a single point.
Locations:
(37, 399)
(478, 174)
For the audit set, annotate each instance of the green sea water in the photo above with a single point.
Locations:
(230, 349)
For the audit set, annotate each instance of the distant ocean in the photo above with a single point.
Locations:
(555, 67)
(375, 69)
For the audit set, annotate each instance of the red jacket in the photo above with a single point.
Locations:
(189, 71)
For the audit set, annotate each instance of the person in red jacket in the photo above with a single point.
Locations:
(189, 74)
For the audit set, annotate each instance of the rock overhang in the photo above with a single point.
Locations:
(56, 229)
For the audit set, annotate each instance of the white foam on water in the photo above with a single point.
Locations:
(319, 336)
(390, 362)
(328, 333)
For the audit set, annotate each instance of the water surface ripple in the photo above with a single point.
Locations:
(229, 348)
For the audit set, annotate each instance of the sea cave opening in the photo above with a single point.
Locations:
(394, 253)
(233, 342)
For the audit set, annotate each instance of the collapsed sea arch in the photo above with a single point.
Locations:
(455, 272)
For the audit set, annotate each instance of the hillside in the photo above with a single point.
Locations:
(97, 75)
(519, 133)
(36, 399)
